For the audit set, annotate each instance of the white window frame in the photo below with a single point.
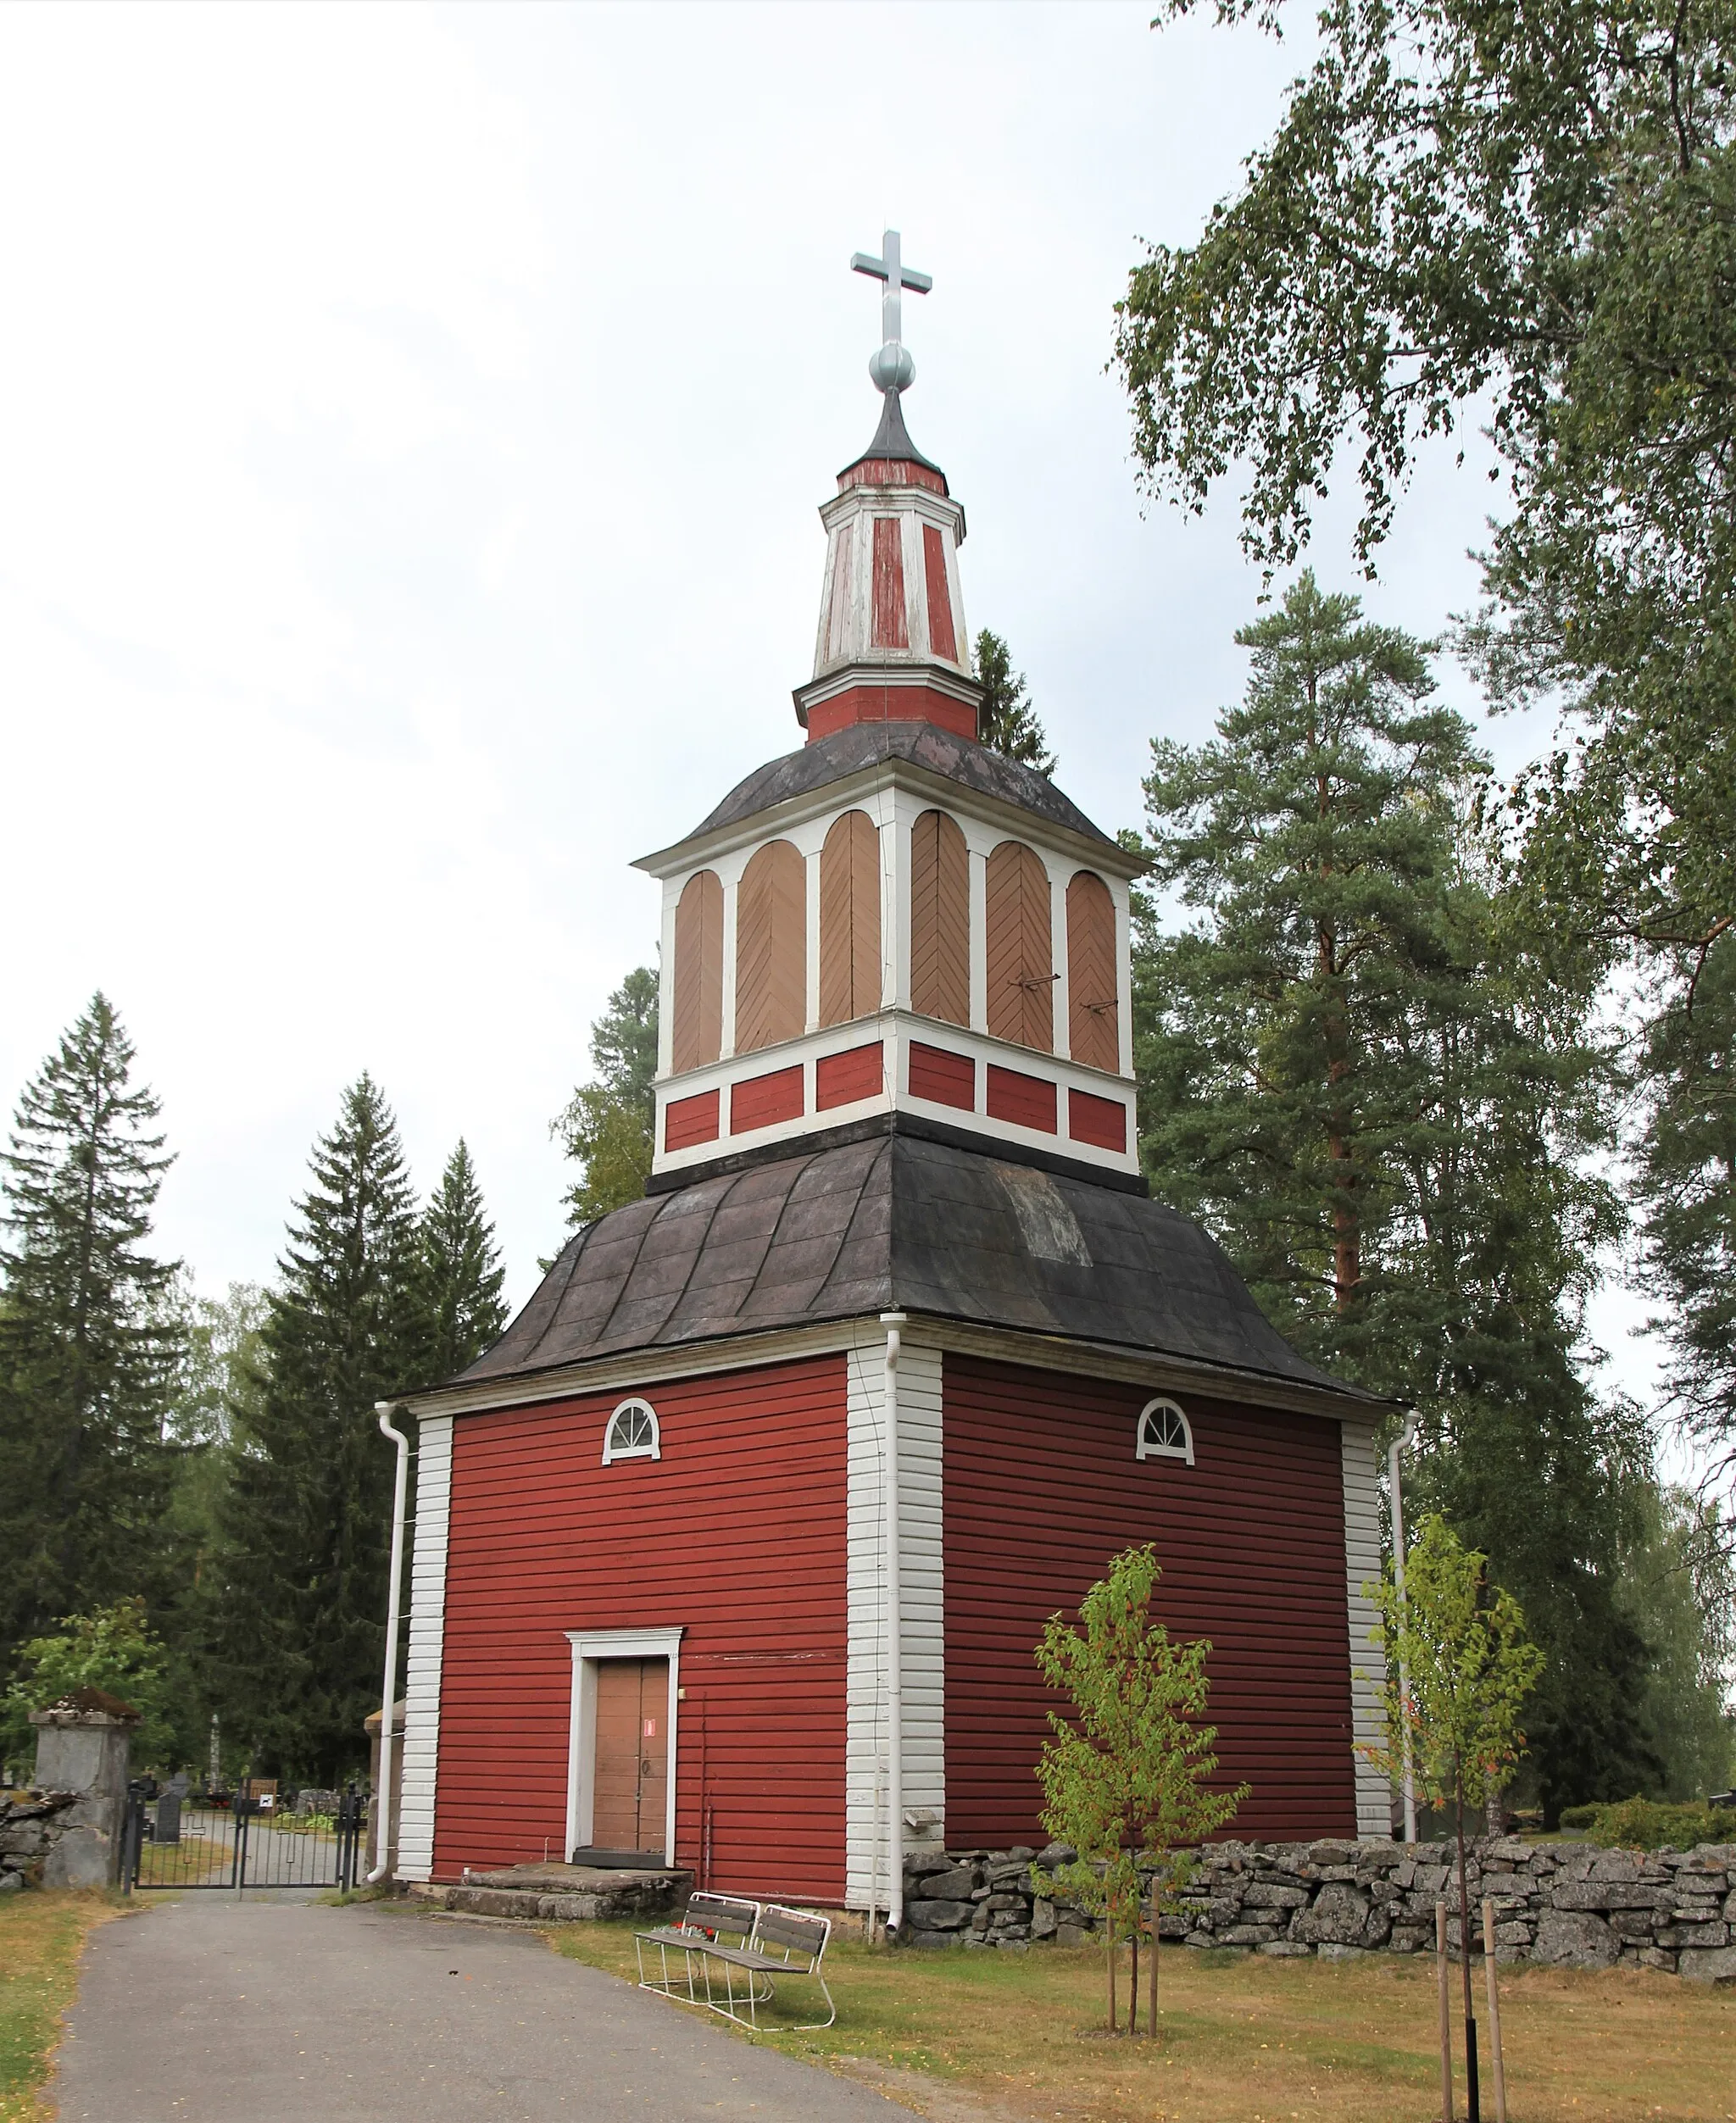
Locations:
(652, 1451)
(1144, 1449)
(590, 1647)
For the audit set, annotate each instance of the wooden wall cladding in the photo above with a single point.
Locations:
(940, 920)
(943, 642)
(760, 1102)
(1020, 948)
(687, 1121)
(892, 627)
(946, 1078)
(840, 1079)
(1028, 1102)
(1041, 1488)
(738, 1533)
(1102, 1122)
(850, 972)
(698, 1031)
(771, 948)
(1093, 1010)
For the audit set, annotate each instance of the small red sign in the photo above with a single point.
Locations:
(650, 1728)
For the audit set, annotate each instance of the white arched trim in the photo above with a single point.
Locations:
(1164, 1433)
(632, 1433)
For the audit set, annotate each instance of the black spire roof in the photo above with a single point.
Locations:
(892, 443)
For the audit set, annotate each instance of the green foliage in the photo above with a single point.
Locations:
(1688, 1181)
(1679, 1588)
(1643, 1823)
(1468, 1668)
(1006, 722)
(459, 1274)
(306, 1515)
(608, 1125)
(1128, 1771)
(1529, 208)
(114, 1649)
(1383, 1094)
(222, 1360)
(88, 1340)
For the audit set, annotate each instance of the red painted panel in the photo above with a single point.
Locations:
(891, 471)
(759, 1101)
(891, 627)
(687, 1121)
(839, 1080)
(949, 1079)
(1102, 1122)
(941, 637)
(1029, 1101)
(1041, 1488)
(890, 704)
(738, 1534)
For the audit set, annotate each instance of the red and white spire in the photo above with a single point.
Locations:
(892, 645)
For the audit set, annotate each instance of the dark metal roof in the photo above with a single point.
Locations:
(924, 744)
(892, 443)
(898, 1224)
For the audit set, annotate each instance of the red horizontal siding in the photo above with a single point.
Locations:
(736, 1533)
(759, 1101)
(687, 1121)
(1027, 1101)
(1101, 1121)
(839, 1080)
(1041, 1488)
(938, 1074)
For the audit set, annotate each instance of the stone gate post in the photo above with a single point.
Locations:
(83, 1744)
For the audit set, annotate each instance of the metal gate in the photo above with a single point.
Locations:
(184, 1843)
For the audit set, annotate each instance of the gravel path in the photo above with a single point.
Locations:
(214, 2008)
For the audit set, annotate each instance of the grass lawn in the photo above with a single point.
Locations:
(1247, 2039)
(39, 1937)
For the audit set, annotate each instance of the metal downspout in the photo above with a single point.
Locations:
(894, 1645)
(382, 1810)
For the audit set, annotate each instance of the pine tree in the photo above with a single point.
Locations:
(459, 1277)
(607, 1126)
(1006, 722)
(1365, 1083)
(88, 1342)
(307, 1518)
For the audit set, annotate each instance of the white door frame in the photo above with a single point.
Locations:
(589, 1647)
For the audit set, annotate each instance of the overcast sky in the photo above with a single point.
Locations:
(411, 425)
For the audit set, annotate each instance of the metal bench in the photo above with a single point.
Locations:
(719, 1935)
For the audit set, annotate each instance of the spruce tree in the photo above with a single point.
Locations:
(88, 1341)
(1006, 722)
(1358, 1073)
(459, 1277)
(607, 1126)
(307, 1516)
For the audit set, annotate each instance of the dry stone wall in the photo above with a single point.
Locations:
(1565, 1904)
(32, 1825)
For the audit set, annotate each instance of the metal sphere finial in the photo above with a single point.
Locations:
(892, 368)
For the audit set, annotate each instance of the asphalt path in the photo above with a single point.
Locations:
(275, 2009)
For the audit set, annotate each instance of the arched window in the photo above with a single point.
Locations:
(1094, 1017)
(940, 920)
(1020, 948)
(632, 1433)
(698, 1031)
(771, 948)
(1164, 1433)
(849, 920)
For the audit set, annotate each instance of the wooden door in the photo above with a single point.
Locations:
(630, 1780)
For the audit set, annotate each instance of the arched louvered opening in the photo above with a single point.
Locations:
(1020, 948)
(1093, 1013)
(940, 920)
(771, 948)
(697, 1034)
(849, 920)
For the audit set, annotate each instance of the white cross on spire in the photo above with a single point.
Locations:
(892, 369)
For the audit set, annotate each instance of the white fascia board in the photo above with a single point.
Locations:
(645, 1368)
(1362, 1566)
(940, 790)
(427, 1642)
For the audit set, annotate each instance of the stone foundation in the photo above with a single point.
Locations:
(1563, 1904)
(562, 1894)
(33, 1826)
